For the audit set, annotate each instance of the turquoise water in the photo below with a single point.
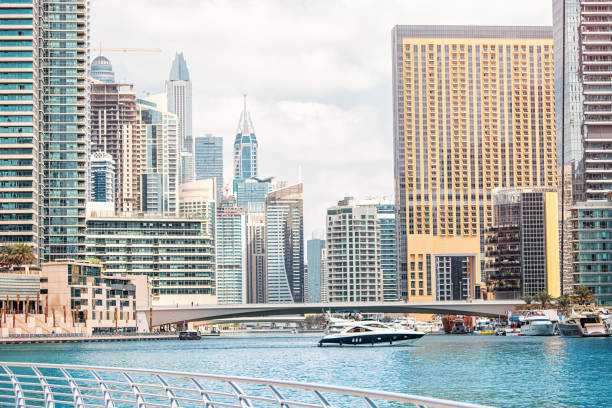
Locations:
(499, 371)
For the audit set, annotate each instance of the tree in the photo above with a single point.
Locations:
(544, 298)
(17, 255)
(583, 295)
(564, 302)
(528, 299)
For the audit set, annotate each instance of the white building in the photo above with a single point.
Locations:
(102, 177)
(353, 252)
(230, 240)
(178, 90)
(197, 199)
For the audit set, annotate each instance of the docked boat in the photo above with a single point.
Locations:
(190, 335)
(583, 323)
(371, 333)
(537, 325)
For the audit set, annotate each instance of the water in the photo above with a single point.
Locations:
(499, 371)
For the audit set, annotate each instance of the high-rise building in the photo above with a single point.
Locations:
(176, 253)
(314, 247)
(245, 147)
(285, 245)
(22, 148)
(385, 215)
(256, 257)
(251, 193)
(102, 70)
(198, 199)
(186, 167)
(102, 178)
(353, 253)
(591, 256)
(473, 110)
(65, 77)
(114, 130)
(522, 246)
(158, 167)
(230, 239)
(208, 160)
(178, 91)
(324, 276)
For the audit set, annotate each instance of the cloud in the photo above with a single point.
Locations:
(317, 72)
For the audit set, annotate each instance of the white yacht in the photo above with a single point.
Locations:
(371, 333)
(537, 325)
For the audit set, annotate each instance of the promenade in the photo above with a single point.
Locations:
(75, 338)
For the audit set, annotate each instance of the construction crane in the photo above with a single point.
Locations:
(100, 49)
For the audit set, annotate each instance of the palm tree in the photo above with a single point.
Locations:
(583, 295)
(528, 299)
(564, 302)
(544, 298)
(17, 255)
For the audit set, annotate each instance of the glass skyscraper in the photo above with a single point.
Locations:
(386, 235)
(251, 193)
(208, 160)
(313, 280)
(102, 178)
(43, 125)
(178, 91)
(245, 147)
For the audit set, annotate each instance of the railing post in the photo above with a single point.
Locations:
(208, 403)
(46, 389)
(139, 398)
(19, 397)
(322, 399)
(244, 399)
(279, 397)
(76, 392)
(108, 398)
(169, 393)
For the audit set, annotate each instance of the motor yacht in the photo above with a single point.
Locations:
(537, 325)
(371, 333)
(190, 335)
(583, 323)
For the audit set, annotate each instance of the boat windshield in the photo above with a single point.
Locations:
(589, 320)
(358, 330)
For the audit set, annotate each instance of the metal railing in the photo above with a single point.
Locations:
(60, 385)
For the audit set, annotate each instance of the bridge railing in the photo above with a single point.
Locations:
(58, 385)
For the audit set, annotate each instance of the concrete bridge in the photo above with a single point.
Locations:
(179, 314)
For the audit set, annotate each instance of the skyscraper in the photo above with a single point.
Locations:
(208, 160)
(245, 147)
(102, 178)
(114, 130)
(285, 245)
(256, 257)
(473, 110)
(178, 91)
(314, 248)
(251, 193)
(102, 70)
(230, 239)
(198, 199)
(385, 216)
(186, 167)
(158, 168)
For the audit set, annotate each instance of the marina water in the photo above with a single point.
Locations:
(499, 371)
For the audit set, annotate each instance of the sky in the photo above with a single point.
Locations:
(317, 74)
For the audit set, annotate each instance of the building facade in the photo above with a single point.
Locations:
(178, 91)
(102, 177)
(175, 253)
(158, 167)
(208, 160)
(102, 70)
(114, 130)
(522, 247)
(353, 253)
(314, 248)
(385, 216)
(251, 193)
(245, 147)
(256, 257)
(197, 199)
(591, 239)
(473, 110)
(231, 248)
(187, 170)
(285, 245)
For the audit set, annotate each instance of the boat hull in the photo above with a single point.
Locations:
(538, 330)
(573, 330)
(365, 339)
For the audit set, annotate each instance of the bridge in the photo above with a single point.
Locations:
(181, 314)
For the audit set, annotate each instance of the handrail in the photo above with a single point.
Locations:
(49, 385)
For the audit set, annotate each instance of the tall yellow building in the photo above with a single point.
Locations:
(473, 111)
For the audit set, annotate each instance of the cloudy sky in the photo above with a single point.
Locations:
(317, 74)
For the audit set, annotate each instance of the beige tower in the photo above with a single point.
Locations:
(473, 111)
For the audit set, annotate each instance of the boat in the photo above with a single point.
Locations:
(536, 324)
(583, 322)
(371, 333)
(190, 335)
(463, 323)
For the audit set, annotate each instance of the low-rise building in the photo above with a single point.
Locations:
(176, 253)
